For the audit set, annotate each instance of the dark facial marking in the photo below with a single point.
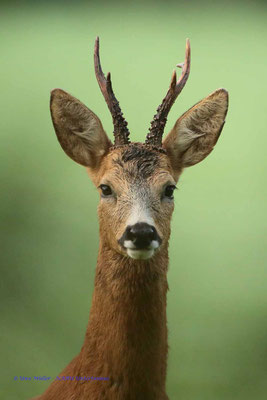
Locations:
(143, 160)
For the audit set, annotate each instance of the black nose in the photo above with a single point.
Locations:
(141, 235)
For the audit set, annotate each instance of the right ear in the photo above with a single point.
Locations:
(79, 131)
(196, 132)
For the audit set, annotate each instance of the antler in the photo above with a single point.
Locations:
(154, 136)
(121, 131)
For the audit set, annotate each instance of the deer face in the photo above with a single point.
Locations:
(136, 185)
(136, 181)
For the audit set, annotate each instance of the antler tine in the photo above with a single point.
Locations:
(156, 129)
(121, 132)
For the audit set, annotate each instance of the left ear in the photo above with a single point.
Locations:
(79, 131)
(196, 132)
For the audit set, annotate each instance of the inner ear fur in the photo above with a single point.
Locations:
(196, 132)
(79, 131)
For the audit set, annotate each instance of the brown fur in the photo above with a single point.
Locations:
(126, 337)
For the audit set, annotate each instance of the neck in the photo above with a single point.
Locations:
(126, 338)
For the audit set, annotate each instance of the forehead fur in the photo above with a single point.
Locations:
(139, 160)
(133, 162)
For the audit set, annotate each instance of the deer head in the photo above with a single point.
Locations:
(136, 181)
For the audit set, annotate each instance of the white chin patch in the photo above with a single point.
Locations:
(140, 254)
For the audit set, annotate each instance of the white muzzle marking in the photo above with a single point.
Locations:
(142, 254)
(140, 213)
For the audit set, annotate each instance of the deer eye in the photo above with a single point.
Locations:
(106, 190)
(169, 191)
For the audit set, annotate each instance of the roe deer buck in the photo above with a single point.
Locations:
(126, 338)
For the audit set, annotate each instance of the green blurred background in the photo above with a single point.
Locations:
(217, 304)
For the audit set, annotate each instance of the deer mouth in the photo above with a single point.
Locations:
(140, 253)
